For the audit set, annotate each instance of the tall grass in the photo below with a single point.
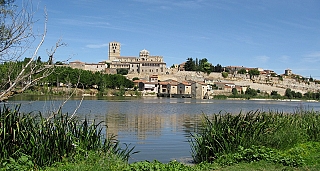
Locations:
(225, 133)
(45, 141)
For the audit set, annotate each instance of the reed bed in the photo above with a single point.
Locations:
(46, 141)
(223, 134)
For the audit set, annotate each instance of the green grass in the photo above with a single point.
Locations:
(254, 136)
(30, 140)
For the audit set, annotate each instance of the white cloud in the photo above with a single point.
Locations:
(284, 58)
(312, 57)
(262, 59)
(97, 46)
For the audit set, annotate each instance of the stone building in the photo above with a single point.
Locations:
(144, 63)
(98, 67)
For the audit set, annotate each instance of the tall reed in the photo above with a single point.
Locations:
(48, 141)
(225, 133)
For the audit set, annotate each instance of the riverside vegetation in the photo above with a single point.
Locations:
(253, 140)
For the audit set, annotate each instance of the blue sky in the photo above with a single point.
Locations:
(270, 34)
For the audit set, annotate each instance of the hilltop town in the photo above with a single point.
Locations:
(151, 76)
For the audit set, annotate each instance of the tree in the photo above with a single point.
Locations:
(190, 65)
(251, 92)
(16, 38)
(234, 91)
(242, 71)
(206, 67)
(274, 93)
(122, 71)
(224, 74)
(218, 68)
(253, 72)
(288, 93)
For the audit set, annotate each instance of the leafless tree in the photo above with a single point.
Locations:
(16, 39)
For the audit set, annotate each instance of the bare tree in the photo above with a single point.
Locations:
(16, 39)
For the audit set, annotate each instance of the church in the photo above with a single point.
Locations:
(144, 63)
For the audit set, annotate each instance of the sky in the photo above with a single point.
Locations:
(268, 34)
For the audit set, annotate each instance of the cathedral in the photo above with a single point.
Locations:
(144, 63)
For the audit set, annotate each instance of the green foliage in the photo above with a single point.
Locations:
(289, 93)
(10, 70)
(223, 133)
(202, 65)
(242, 71)
(224, 74)
(122, 71)
(22, 163)
(217, 68)
(234, 91)
(171, 166)
(135, 78)
(190, 65)
(275, 95)
(251, 92)
(292, 94)
(280, 78)
(254, 72)
(93, 160)
(46, 141)
(312, 95)
(86, 79)
(258, 153)
(222, 97)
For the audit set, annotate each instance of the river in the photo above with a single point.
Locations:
(158, 127)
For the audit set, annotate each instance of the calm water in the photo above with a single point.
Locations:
(158, 127)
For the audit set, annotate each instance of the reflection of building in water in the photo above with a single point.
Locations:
(141, 125)
(146, 125)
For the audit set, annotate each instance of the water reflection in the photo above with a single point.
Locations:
(158, 127)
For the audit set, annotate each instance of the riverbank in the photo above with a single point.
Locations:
(244, 152)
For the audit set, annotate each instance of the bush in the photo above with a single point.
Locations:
(224, 74)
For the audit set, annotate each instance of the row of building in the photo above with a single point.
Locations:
(185, 89)
(144, 63)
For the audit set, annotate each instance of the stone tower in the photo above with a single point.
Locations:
(114, 50)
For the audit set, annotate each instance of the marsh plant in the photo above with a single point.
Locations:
(223, 134)
(39, 141)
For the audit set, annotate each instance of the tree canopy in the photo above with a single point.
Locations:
(202, 65)
(86, 79)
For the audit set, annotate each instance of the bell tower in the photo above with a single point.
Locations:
(114, 50)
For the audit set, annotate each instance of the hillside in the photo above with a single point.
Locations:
(261, 82)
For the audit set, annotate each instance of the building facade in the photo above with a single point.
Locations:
(144, 63)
